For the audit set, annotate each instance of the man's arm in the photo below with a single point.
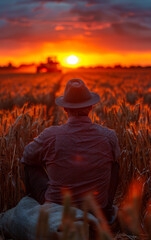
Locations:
(34, 175)
(110, 210)
(115, 145)
(34, 151)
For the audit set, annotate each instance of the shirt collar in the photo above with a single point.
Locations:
(78, 119)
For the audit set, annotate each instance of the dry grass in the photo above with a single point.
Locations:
(28, 107)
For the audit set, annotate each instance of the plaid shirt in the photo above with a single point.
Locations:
(78, 156)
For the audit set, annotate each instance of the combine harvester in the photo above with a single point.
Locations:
(51, 66)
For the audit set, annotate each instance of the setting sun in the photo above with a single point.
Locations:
(72, 59)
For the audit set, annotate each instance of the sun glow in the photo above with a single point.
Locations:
(72, 59)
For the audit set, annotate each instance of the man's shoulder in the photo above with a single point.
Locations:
(53, 130)
(50, 130)
(105, 131)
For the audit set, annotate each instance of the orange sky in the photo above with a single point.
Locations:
(97, 33)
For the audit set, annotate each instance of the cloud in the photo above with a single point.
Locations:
(131, 28)
(90, 21)
(91, 2)
(16, 33)
(59, 28)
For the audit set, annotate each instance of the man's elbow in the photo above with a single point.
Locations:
(27, 154)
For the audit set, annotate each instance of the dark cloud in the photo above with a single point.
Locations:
(66, 1)
(12, 33)
(93, 15)
(130, 28)
(60, 20)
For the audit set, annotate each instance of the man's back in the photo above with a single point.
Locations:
(78, 157)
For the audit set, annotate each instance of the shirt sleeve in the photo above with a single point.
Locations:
(115, 145)
(34, 152)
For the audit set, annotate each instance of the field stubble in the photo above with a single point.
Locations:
(27, 106)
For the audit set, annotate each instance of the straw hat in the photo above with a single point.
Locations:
(77, 95)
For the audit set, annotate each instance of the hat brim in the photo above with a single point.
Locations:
(95, 98)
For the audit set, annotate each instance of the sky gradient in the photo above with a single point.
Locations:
(103, 32)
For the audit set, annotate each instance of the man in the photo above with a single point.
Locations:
(78, 156)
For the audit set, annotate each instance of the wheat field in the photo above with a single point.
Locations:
(27, 107)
